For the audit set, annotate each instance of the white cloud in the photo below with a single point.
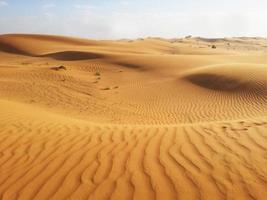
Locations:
(49, 5)
(214, 24)
(88, 20)
(125, 3)
(3, 3)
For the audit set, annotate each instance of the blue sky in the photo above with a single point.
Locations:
(112, 19)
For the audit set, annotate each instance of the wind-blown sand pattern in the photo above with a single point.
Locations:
(143, 119)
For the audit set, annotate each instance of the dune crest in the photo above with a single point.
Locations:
(232, 77)
(216, 82)
(141, 119)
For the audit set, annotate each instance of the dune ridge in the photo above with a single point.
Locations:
(140, 119)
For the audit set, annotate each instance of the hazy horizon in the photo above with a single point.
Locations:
(133, 19)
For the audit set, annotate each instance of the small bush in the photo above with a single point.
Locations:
(97, 74)
(107, 88)
(25, 63)
(213, 46)
(59, 68)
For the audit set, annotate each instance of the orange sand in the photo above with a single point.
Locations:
(142, 119)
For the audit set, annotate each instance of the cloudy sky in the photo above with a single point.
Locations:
(112, 19)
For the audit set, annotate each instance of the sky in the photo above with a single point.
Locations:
(117, 19)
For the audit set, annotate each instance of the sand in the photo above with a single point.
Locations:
(133, 119)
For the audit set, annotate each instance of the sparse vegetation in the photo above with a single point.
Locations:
(107, 88)
(59, 68)
(97, 74)
(25, 63)
(213, 46)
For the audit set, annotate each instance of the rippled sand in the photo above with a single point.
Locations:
(133, 119)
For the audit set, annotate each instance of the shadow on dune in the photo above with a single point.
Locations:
(72, 55)
(215, 82)
(9, 48)
(62, 55)
(227, 83)
(130, 65)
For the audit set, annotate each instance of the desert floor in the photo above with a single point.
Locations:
(133, 119)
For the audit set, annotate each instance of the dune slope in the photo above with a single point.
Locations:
(142, 119)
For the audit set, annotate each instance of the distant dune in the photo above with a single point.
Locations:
(133, 119)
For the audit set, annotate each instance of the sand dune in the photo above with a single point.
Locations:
(231, 77)
(139, 119)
